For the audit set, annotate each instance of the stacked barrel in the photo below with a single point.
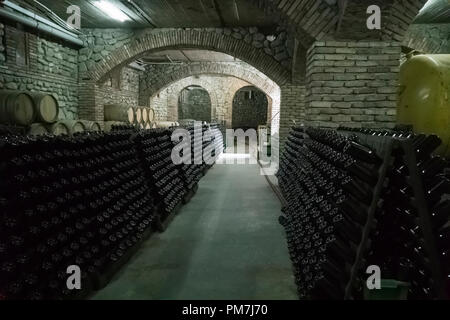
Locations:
(37, 113)
(120, 115)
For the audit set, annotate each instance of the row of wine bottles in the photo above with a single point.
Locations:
(399, 244)
(155, 150)
(84, 200)
(327, 181)
(67, 201)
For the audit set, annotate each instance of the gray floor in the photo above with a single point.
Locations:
(225, 244)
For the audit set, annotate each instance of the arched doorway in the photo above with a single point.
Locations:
(194, 103)
(250, 108)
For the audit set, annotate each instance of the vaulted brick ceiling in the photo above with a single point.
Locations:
(435, 11)
(166, 13)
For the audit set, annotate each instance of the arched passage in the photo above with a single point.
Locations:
(250, 108)
(154, 80)
(165, 101)
(162, 39)
(194, 103)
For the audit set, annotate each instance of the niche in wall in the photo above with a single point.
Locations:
(194, 103)
(250, 107)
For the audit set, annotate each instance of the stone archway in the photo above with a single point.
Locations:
(250, 108)
(162, 39)
(194, 103)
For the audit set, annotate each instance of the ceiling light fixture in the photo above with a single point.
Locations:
(111, 10)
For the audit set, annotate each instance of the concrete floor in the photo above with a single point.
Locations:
(225, 244)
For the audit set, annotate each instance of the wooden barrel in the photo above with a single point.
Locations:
(91, 125)
(46, 107)
(75, 126)
(138, 115)
(144, 112)
(37, 129)
(110, 124)
(16, 107)
(119, 113)
(95, 126)
(58, 128)
(151, 114)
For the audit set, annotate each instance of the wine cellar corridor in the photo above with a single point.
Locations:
(219, 246)
(224, 150)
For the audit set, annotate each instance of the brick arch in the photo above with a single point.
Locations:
(161, 39)
(155, 81)
(175, 88)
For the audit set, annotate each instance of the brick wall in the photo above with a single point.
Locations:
(292, 108)
(122, 89)
(352, 83)
(157, 77)
(127, 93)
(48, 67)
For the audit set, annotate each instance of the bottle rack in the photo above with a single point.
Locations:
(420, 221)
(155, 149)
(68, 201)
(319, 224)
(191, 173)
(295, 167)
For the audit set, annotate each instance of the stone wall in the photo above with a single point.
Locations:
(352, 83)
(250, 108)
(194, 103)
(46, 66)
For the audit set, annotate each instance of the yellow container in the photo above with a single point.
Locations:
(424, 96)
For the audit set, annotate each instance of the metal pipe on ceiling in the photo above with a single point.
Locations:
(34, 21)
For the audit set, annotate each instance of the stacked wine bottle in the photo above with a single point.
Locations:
(67, 201)
(327, 181)
(155, 150)
(411, 241)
